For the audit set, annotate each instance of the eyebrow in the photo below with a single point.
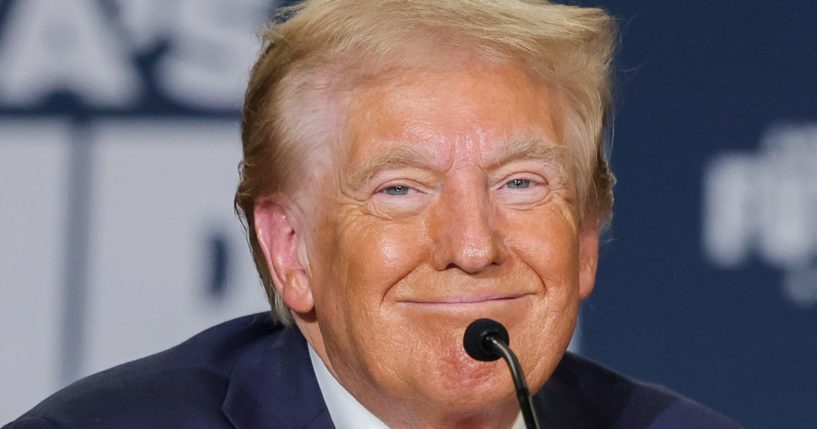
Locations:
(524, 149)
(511, 150)
(399, 157)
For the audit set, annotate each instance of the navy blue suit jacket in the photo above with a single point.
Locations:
(253, 373)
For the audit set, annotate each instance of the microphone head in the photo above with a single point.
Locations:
(476, 337)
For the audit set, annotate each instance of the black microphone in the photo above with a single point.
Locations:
(487, 340)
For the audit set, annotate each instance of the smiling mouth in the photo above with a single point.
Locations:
(465, 300)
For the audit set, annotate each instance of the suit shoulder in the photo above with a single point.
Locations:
(628, 403)
(180, 387)
(31, 423)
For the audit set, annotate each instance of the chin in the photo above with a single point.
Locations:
(484, 391)
(457, 381)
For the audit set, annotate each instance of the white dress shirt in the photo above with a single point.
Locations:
(346, 412)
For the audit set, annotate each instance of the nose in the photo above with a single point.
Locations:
(467, 235)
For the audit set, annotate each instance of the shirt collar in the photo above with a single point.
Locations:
(346, 412)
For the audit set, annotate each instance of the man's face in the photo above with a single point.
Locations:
(448, 199)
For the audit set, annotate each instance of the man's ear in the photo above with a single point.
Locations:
(588, 258)
(281, 239)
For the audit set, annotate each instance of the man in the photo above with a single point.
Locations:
(409, 167)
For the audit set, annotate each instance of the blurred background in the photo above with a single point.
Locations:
(119, 144)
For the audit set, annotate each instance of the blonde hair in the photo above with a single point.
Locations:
(569, 47)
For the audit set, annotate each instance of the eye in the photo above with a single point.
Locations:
(396, 199)
(523, 188)
(396, 190)
(518, 184)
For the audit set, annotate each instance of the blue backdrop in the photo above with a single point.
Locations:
(723, 313)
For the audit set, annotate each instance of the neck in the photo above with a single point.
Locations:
(418, 411)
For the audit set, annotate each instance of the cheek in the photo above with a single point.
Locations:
(374, 255)
(547, 243)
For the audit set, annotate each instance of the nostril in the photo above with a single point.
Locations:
(451, 266)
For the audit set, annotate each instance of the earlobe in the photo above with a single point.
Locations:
(278, 235)
(588, 260)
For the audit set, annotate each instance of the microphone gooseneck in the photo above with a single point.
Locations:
(487, 340)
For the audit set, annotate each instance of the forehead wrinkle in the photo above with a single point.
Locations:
(403, 156)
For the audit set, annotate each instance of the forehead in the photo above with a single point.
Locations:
(472, 109)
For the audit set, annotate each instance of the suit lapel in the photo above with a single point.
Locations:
(274, 386)
(560, 406)
(563, 401)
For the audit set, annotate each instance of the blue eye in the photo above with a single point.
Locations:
(518, 184)
(396, 190)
